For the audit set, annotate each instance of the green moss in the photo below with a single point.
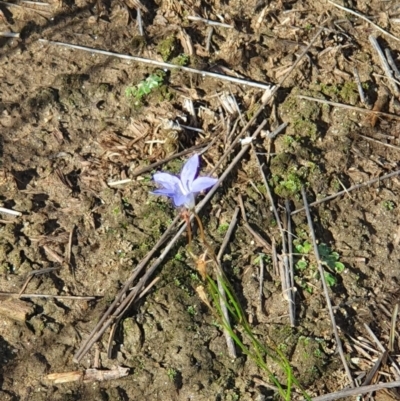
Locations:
(294, 108)
(164, 94)
(310, 359)
(305, 127)
(250, 113)
(288, 141)
(182, 60)
(284, 337)
(347, 92)
(261, 188)
(281, 163)
(103, 89)
(252, 194)
(166, 47)
(174, 166)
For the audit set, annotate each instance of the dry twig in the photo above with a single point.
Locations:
(9, 211)
(356, 391)
(162, 64)
(229, 341)
(35, 273)
(347, 106)
(259, 239)
(209, 22)
(345, 191)
(392, 63)
(364, 18)
(152, 166)
(388, 145)
(384, 63)
(359, 86)
(139, 21)
(122, 301)
(287, 290)
(325, 287)
(292, 310)
(382, 348)
(72, 297)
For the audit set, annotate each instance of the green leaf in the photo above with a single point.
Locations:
(330, 279)
(324, 251)
(299, 248)
(307, 247)
(303, 248)
(260, 256)
(302, 264)
(339, 267)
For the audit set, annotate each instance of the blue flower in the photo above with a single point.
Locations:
(183, 189)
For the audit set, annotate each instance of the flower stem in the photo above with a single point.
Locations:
(201, 228)
(186, 217)
(189, 230)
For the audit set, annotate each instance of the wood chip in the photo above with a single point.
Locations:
(15, 309)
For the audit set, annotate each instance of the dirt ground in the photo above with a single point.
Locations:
(74, 122)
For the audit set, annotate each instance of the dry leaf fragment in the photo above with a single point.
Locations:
(89, 375)
(202, 295)
(186, 42)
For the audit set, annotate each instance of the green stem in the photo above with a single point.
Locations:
(260, 352)
(189, 230)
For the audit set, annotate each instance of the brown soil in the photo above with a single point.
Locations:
(68, 129)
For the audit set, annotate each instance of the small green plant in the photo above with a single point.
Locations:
(194, 277)
(172, 373)
(147, 178)
(223, 228)
(121, 254)
(329, 259)
(138, 92)
(291, 184)
(191, 310)
(318, 353)
(388, 205)
(288, 140)
(262, 256)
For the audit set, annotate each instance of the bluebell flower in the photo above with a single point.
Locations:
(183, 189)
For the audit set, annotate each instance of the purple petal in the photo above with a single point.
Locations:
(168, 181)
(163, 191)
(189, 171)
(202, 183)
(181, 199)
